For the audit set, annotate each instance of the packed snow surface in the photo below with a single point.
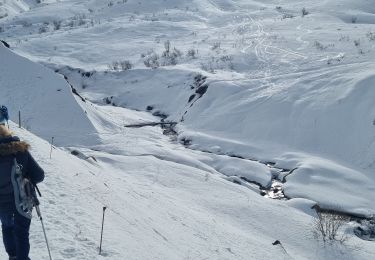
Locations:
(258, 90)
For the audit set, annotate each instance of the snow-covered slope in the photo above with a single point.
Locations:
(13, 7)
(175, 210)
(252, 85)
(47, 104)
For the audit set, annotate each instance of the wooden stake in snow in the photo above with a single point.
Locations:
(19, 119)
(101, 235)
(50, 153)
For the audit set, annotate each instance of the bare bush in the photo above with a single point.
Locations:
(57, 25)
(151, 60)
(336, 59)
(371, 36)
(126, 65)
(322, 47)
(43, 29)
(327, 225)
(79, 20)
(120, 65)
(319, 46)
(169, 55)
(215, 45)
(25, 24)
(304, 12)
(288, 16)
(344, 38)
(224, 62)
(192, 53)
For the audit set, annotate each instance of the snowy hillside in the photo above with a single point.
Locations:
(47, 104)
(276, 96)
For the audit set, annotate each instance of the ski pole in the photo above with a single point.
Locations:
(44, 230)
(101, 236)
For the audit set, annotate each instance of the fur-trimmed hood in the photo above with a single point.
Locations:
(12, 145)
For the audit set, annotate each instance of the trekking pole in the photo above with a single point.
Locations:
(101, 236)
(44, 230)
(36, 203)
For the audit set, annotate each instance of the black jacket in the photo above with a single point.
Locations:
(10, 148)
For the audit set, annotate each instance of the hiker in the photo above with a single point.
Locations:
(15, 227)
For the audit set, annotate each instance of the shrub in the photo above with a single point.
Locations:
(215, 45)
(336, 59)
(304, 12)
(43, 29)
(120, 65)
(192, 53)
(57, 25)
(152, 61)
(327, 225)
(288, 16)
(25, 24)
(319, 46)
(170, 56)
(371, 36)
(126, 65)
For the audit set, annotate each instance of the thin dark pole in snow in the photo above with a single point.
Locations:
(19, 119)
(44, 230)
(101, 235)
(50, 153)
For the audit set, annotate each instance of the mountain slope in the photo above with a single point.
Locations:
(47, 104)
(260, 93)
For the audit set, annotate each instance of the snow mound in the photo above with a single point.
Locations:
(331, 185)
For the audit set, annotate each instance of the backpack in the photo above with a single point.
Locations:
(24, 191)
(16, 188)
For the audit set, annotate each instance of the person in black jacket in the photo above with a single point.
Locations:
(15, 227)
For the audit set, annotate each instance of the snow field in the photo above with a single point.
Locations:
(273, 86)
